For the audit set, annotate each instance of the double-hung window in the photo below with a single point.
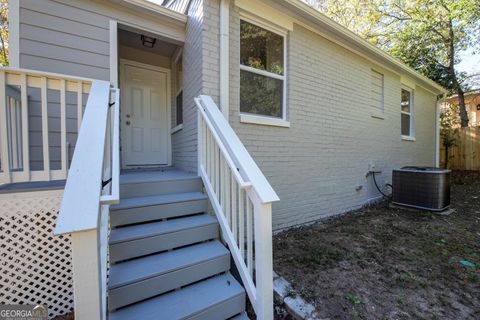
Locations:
(178, 93)
(407, 113)
(262, 71)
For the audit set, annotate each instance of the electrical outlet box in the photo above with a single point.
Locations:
(371, 167)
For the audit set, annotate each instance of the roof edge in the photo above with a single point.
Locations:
(352, 37)
(155, 8)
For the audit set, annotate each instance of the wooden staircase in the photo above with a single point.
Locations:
(166, 260)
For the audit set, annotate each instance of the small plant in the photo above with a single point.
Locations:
(354, 299)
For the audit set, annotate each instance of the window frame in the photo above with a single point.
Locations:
(248, 117)
(411, 114)
(178, 91)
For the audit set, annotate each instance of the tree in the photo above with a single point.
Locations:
(448, 123)
(4, 32)
(428, 35)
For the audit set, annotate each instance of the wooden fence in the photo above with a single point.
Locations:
(465, 154)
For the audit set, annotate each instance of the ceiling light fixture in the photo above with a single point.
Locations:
(148, 42)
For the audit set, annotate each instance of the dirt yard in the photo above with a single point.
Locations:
(383, 263)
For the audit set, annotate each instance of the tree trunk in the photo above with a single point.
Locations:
(456, 86)
(462, 108)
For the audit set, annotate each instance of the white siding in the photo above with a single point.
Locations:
(317, 164)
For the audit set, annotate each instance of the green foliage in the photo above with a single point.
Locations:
(448, 129)
(4, 32)
(354, 299)
(425, 34)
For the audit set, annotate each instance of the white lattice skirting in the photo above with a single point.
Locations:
(35, 265)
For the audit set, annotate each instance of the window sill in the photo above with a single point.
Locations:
(177, 128)
(263, 120)
(378, 116)
(408, 138)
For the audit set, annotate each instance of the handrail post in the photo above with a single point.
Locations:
(263, 258)
(86, 275)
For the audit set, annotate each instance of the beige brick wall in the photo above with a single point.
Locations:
(317, 164)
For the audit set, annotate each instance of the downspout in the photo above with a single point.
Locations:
(440, 100)
(224, 57)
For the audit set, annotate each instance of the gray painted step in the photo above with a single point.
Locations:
(241, 316)
(220, 297)
(138, 240)
(150, 208)
(148, 188)
(149, 276)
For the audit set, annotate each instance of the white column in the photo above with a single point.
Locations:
(86, 275)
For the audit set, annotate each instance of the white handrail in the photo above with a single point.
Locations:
(241, 198)
(246, 165)
(114, 196)
(79, 210)
(84, 211)
(231, 164)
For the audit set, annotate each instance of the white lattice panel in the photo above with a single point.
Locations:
(35, 265)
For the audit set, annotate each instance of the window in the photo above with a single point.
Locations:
(262, 71)
(377, 92)
(178, 91)
(407, 113)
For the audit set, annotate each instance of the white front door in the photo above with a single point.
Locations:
(145, 126)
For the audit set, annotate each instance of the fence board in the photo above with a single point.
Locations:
(465, 154)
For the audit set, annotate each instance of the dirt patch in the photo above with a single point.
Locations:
(384, 263)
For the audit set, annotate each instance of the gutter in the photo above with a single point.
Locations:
(224, 57)
(317, 17)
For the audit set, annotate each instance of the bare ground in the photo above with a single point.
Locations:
(383, 263)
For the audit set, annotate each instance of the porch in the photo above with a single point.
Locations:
(78, 187)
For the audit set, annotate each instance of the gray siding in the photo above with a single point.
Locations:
(316, 165)
(61, 38)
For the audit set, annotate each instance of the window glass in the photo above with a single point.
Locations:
(179, 91)
(260, 94)
(261, 49)
(262, 80)
(405, 124)
(405, 100)
(179, 104)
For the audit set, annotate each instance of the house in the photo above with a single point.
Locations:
(472, 104)
(157, 113)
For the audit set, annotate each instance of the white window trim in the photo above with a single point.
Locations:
(246, 117)
(177, 128)
(263, 120)
(411, 136)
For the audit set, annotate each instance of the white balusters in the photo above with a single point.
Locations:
(25, 91)
(241, 198)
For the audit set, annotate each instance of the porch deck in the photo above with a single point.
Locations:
(126, 176)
